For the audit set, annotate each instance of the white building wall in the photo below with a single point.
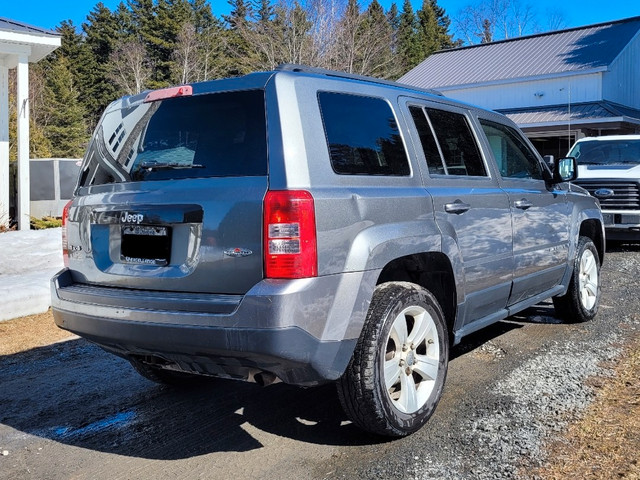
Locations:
(621, 84)
(532, 93)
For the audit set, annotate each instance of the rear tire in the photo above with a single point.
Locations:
(166, 377)
(395, 377)
(580, 303)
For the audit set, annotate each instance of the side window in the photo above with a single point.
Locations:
(514, 158)
(428, 141)
(362, 135)
(460, 152)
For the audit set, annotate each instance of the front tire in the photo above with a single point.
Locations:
(580, 303)
(395, 377)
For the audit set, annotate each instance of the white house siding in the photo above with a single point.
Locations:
(560, 90)
(620, 84)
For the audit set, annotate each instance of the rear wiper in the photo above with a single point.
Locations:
(151, 165)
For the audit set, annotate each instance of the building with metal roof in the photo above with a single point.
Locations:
(557, 86)
(20, 44)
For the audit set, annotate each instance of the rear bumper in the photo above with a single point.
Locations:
(304, 331)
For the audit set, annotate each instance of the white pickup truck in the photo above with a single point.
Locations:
(609, 168)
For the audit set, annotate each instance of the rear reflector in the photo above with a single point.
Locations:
(171, 92)
(290, 248)
(65, 239)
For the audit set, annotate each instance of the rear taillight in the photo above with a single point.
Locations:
(65, 241)
(290, 235)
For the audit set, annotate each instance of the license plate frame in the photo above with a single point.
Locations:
(145, 245)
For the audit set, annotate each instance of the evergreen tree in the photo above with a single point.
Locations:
(79, 60)
(238, 16)
(201, 16)
(445, 39)
(140, 15)
(101, 36)
(39, 144)
(295, 33)
(71, 43)
(428, 30)
(66, 129)
(433, 25)
(101, 32)
(263, 11)
(408, 49)
(170, 17)
(125, 24)
(213, 54)
(241, 53)
(487, 35)
(393, 17)
(376, 55)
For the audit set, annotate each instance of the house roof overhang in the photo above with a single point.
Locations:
(20, 39)
(592, 114)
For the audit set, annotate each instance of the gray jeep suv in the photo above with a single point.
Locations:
(310, 226)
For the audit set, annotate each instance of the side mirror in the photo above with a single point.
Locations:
(565, 170)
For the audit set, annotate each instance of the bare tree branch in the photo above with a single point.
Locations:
(130, 67)
(185, 54)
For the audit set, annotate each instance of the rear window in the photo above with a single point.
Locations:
(213, 135)
(362, 135)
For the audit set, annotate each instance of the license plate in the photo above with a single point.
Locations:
(145, 245)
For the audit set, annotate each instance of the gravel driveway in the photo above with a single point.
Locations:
(70, 410)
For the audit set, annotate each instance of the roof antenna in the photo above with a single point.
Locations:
(568, 112)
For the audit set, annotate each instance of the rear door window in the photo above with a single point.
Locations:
(212, 135)
(448, 142)
(362, 135)
(460, 152)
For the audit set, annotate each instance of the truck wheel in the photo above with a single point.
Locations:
(581, 301)
(166, 377)
(395, 377)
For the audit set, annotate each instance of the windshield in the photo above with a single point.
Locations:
(212, 135)
(607, 152)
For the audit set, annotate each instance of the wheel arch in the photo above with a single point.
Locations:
(594, 229)
(431, 270)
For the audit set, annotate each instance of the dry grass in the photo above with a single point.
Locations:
(25, 333)
(605, 443)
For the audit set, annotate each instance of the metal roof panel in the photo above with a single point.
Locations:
(9, 25)
(576, 49)
(563, 113)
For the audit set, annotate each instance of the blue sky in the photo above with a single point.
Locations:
(576, 13)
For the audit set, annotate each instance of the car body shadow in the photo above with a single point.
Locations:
(75, 393)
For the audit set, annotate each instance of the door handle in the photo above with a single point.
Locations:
(523, 204)
(456, 207)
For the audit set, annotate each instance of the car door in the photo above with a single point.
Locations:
(539, 210)
(470, 208)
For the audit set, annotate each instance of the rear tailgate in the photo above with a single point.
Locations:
(170, 196)
(195, 235)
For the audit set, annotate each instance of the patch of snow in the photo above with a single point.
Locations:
(28, 260)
